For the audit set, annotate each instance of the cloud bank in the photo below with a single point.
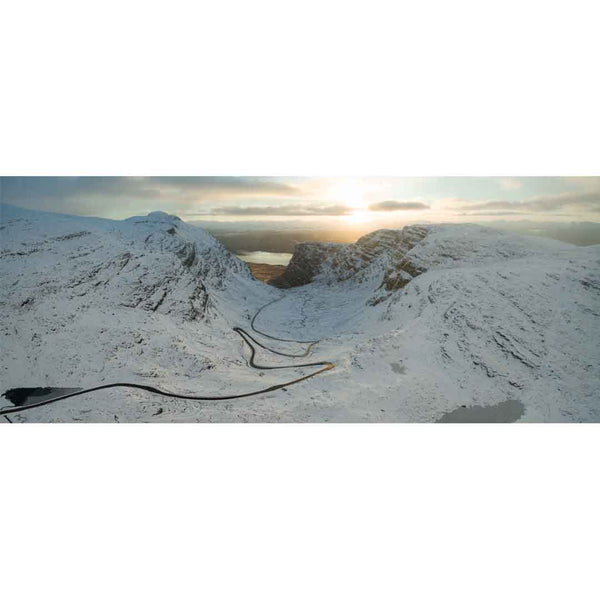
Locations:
(393, 205)
(551, 203)
(279, 210)
(125, 196)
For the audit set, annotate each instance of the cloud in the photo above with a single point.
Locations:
(298, 210)
(120, 196)
(490, 205)
(143, 187)
(491, 213)
(393, 205)
(230, 186)
(584, 200)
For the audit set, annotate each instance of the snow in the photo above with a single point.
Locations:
(420, 322)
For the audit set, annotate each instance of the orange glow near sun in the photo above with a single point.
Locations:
(351, 195)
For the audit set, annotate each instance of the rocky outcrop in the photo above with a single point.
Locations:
(329, 263)
(306, 263)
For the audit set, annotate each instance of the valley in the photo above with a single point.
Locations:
(421, 323)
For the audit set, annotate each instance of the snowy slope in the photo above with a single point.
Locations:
(87, 301)
(420, 322)
(452, 316)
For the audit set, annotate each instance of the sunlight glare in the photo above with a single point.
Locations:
(360, 216)
(350, 194)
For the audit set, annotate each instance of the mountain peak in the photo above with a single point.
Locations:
(160, 215)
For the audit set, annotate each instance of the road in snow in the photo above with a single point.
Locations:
(26, 399)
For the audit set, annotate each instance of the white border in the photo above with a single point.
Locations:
(258, 511)
(311, 88)
(319, 88)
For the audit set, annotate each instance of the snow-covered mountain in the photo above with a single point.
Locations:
(156, 263)
(85, 300)
(422, 323)
(434, 318)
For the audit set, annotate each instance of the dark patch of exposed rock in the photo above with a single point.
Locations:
(187, 254)
(70, 236)
(306, 263)
(338, 262)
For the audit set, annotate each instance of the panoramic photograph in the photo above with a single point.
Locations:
(300, 300)
(292, 299)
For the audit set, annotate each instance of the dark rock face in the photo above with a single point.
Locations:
(337, 262)
(305, 264)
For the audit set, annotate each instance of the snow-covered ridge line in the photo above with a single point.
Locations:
(155, 262)
(400, 254)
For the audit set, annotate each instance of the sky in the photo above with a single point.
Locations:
(332, 201)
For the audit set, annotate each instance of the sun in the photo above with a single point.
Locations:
(351, 195)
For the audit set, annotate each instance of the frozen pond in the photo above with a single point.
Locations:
(504, 412)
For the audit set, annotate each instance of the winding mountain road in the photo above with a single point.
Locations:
(15, 396)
